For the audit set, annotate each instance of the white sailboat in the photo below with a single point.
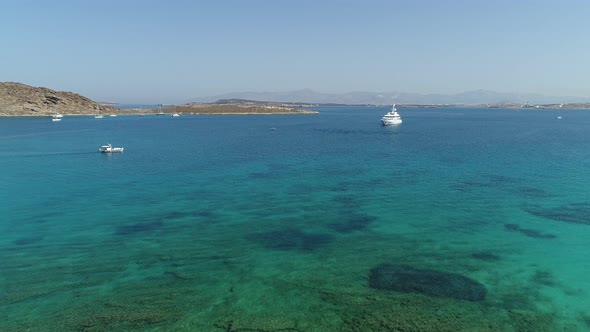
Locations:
(392, 117)
(98, 115)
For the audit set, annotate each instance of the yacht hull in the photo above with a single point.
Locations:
(391, 122)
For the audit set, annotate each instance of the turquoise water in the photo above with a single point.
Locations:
(282, 223)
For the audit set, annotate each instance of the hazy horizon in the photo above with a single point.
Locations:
(153, 52)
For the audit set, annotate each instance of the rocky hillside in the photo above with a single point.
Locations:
(18, 99)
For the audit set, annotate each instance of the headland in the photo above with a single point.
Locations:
(17, 99)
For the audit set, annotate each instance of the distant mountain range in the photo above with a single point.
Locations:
(382, 98)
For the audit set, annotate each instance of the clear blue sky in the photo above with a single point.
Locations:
(172, 51)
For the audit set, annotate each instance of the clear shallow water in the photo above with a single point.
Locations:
(276, 223)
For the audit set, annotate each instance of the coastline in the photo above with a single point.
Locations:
(257, 109)
(174, 110)
(228, 109)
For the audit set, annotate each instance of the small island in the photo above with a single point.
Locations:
(235, 108)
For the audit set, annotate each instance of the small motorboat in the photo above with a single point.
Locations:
(56, 117)
(109, 149)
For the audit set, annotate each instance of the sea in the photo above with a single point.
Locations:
(459, 219)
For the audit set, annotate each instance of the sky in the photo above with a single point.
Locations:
(174, 51)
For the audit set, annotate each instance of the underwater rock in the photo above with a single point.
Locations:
(501, 179)
(175, 215)
(291, 240)
(473, 184)
(352, 223)
(485, 256)
(531, 192)
(468, 186)
(575, 213)
(544, 278)
(432, 283)
(347, 201)
(28, 240)
(529, 232)
(258, 323)
(139, 228)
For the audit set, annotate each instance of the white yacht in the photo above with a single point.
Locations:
(392, 117)
(56, 117)
(109, 149)
(175, 114)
